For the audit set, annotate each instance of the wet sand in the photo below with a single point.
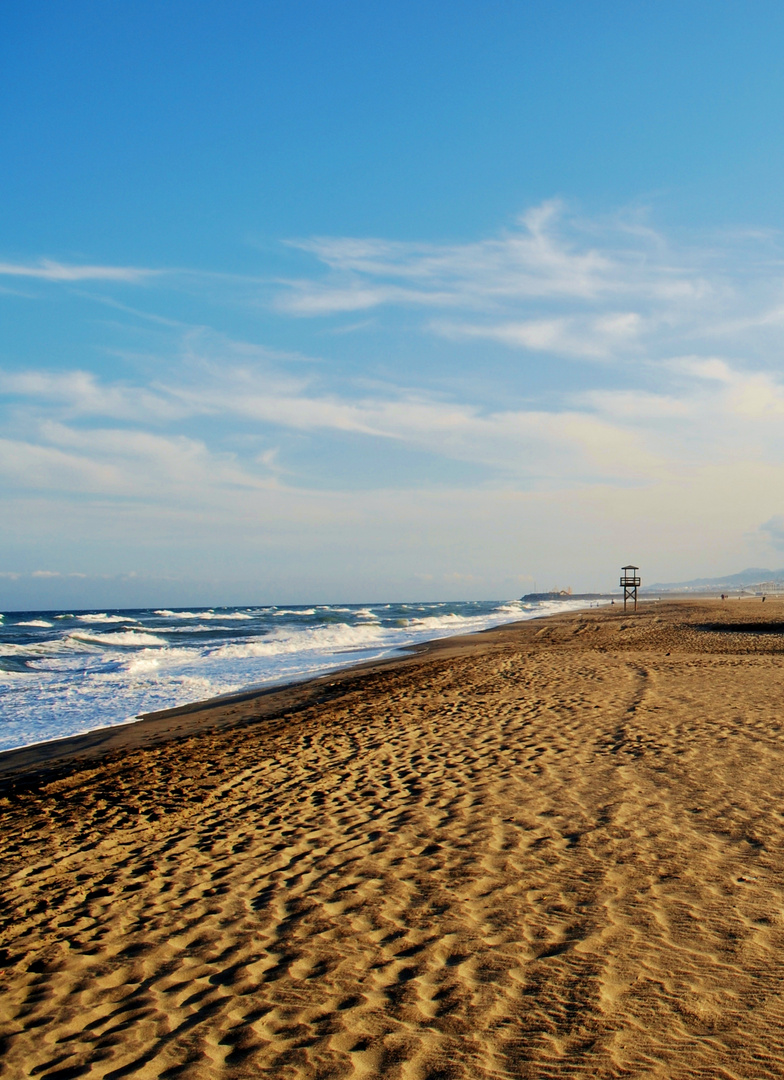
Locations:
(548, 850)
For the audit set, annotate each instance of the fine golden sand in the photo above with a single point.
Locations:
(550, 850)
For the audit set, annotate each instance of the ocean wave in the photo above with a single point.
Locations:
(87, 674)
(365, 613)
(19, 664)
(443, 622)
(121, 637)
(36, 622)
(234, 616)
(334, 636)
(102, 617)
(149, 660)
(42, 649)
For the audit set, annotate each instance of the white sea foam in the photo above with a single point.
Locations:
(35, 622)
(439, 622)
(150, 659)
(234, 616)
(65, 645)
(335, 636)
(102, 617)
(82, 679)
(122, 637)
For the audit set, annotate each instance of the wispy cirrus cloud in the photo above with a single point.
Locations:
(596, 338)
(560, 284)
(83, 393)
(49, 270)
(681, 379)
(599, 456)
(627, 435)
(529, 261)
(124, 465)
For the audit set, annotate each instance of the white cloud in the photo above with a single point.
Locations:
(54, 574)
(30, 465)
(710, 411)
(711, 368)
(519, 442)
(729, 391)
(80, 393)
(529, 261)
(49, 270)
(117, 463)
(681, 400)
(311, 299)
(636, 405)
(580, 337)
(555, 283)
(544, 258)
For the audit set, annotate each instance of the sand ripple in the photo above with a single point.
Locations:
(555, 853)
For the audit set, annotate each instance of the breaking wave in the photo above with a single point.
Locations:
(63, 673)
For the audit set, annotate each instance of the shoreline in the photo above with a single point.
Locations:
(223, 712)
(35, 761)
(150, 728)
(550, 848)
(73, 674)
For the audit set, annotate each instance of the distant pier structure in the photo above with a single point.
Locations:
(630, 583)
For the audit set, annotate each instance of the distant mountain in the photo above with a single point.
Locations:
(754, 575)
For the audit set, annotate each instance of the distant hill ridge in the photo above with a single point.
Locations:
(753, 575)
(756, 577)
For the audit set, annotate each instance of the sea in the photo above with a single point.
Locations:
(69, 672)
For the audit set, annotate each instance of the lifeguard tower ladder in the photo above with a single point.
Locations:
(630, 583)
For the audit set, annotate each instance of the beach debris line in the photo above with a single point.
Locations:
(630, 583)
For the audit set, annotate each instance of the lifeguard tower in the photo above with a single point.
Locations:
(630, 583)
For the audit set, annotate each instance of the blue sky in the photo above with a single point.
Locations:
(364, 301)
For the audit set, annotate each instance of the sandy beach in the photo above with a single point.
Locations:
(553, 849)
